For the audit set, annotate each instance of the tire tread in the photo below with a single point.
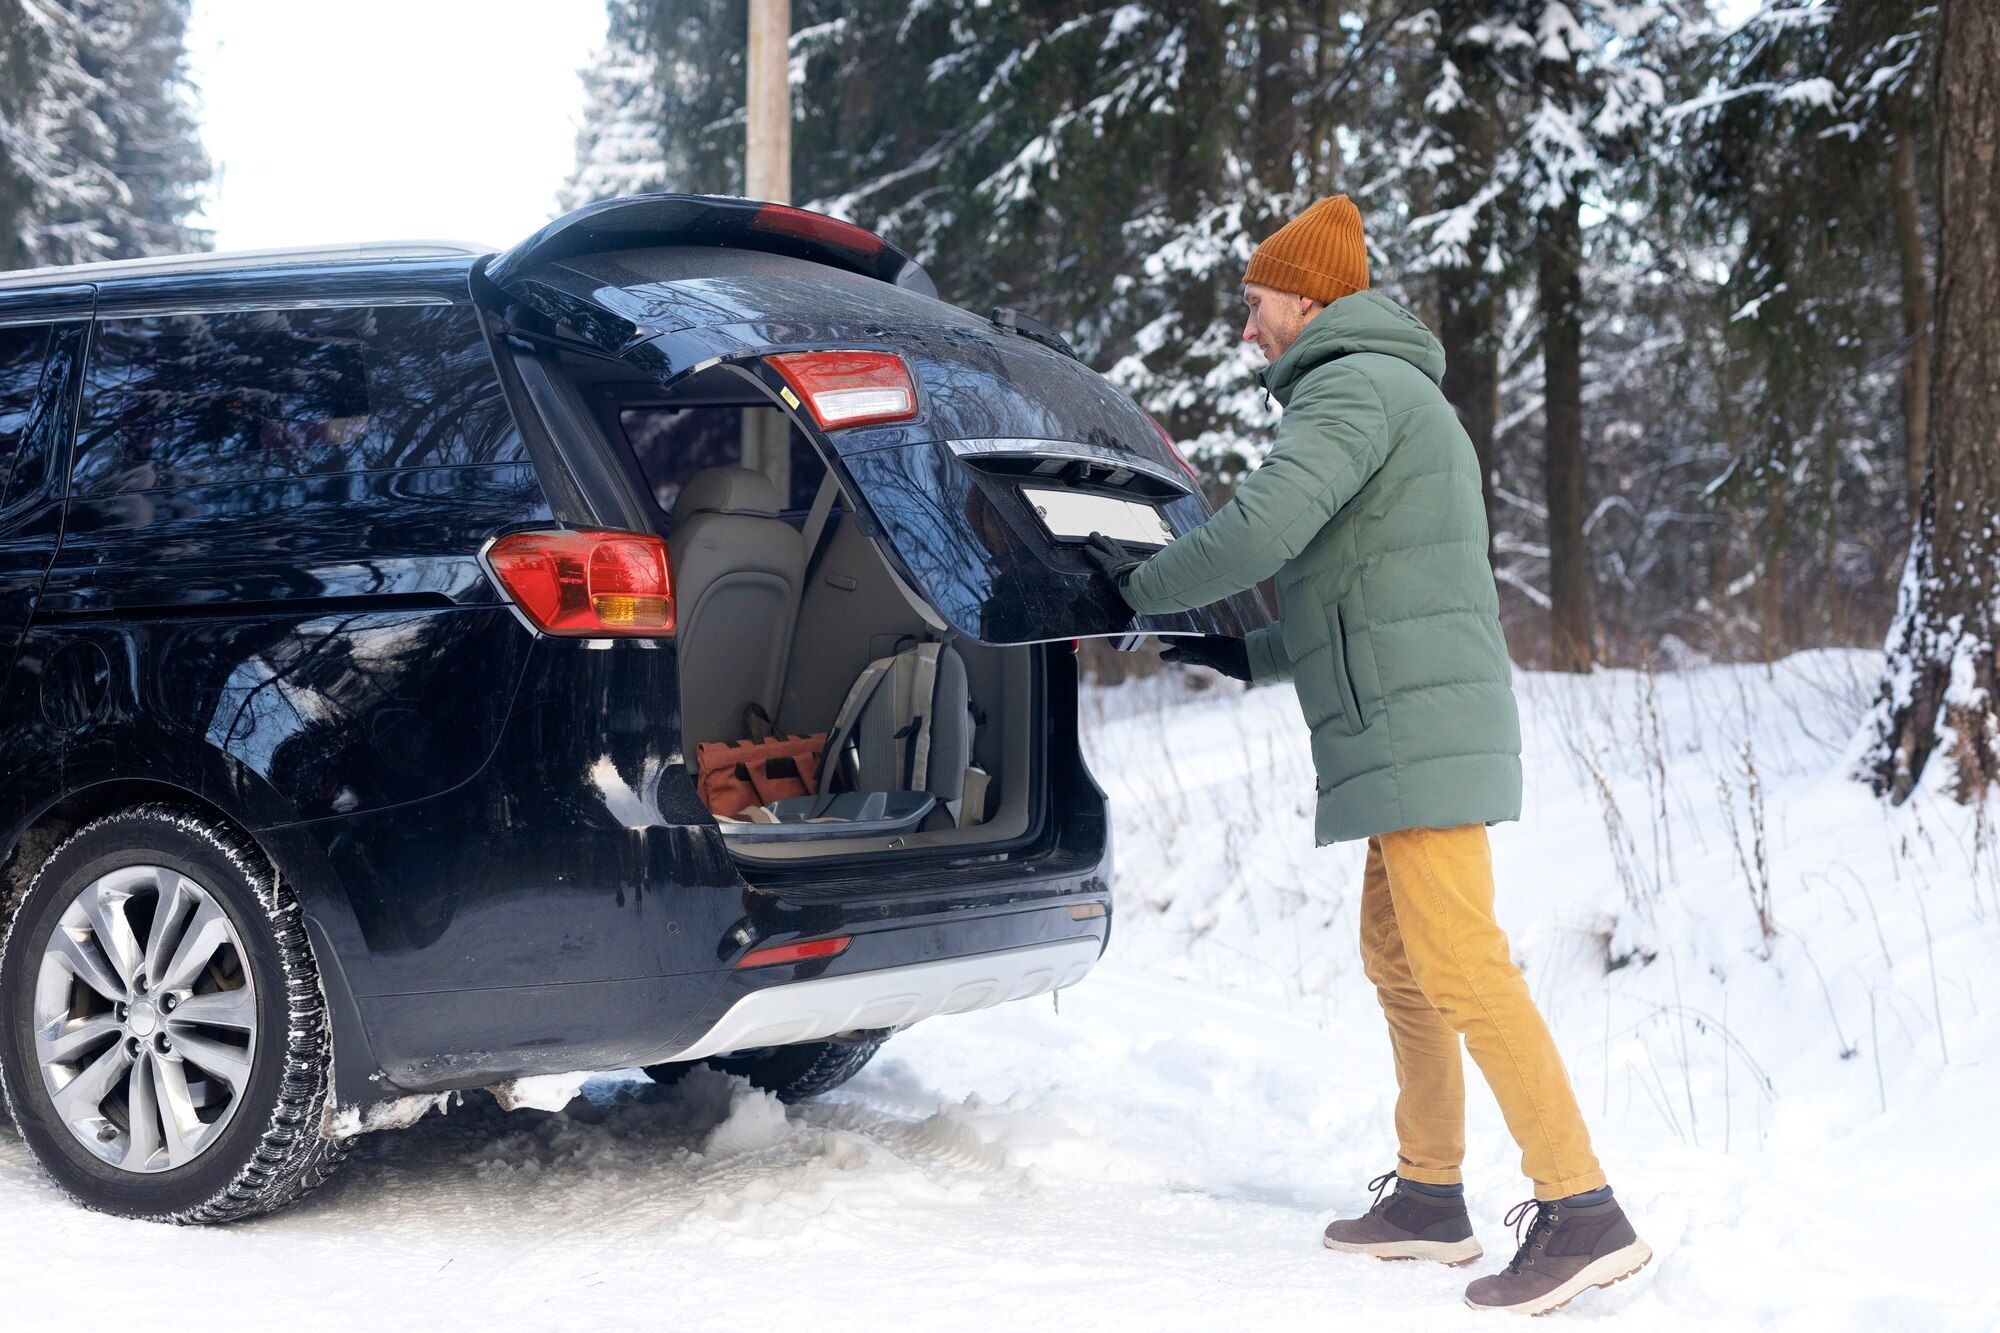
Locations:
(790, 1073)
(293, 1156)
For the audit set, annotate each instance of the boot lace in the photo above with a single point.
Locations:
(1383, 1194)
(1539, 1218)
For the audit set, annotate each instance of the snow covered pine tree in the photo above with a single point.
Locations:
(99, 153)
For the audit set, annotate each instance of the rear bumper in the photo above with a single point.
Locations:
(927, 961)
(892, 997)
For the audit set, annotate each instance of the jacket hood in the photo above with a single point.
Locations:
(1364, 322)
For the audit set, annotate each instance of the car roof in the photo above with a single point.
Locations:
(434, 271)
(417, 272)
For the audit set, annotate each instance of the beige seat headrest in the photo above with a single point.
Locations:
(726, 490)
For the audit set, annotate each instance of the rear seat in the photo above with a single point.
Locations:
(739, 581)
(739, 571)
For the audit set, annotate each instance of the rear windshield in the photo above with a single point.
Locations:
(673, 443)
(682, 287)
(977, 381)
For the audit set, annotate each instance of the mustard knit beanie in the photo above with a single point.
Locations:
(1318, 254)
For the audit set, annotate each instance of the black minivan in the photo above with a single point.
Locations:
(363, 610)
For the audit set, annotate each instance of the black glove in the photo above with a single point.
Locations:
(1217, 652)
(1112, 560)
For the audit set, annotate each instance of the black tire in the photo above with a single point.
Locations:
(272, 1150)
(789, 1073)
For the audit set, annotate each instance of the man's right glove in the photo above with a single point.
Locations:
(1217, 652)
(1112, 559)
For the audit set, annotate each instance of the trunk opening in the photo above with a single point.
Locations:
(764, 620)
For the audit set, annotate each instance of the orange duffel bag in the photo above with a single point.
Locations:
(770, 766)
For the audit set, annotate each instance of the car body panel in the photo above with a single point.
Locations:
(34, 678)
(31, 509)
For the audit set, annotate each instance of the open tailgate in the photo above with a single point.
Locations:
(981, 500)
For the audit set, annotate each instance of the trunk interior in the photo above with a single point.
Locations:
(764, 620)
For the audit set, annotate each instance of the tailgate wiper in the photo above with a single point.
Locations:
(1029, 327)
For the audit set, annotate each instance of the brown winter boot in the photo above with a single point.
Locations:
(1407, 1225)
(1568, 1250)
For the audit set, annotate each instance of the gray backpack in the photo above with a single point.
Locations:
(906, 725)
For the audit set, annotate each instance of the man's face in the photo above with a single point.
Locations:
(1275, 318)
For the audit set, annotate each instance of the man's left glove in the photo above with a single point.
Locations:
(1112, 560)
(1218, 652)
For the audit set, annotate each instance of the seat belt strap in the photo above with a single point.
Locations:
(923, 694)
(820, 523)
(858, 695)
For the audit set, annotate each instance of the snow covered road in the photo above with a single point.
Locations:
(1150, 1157)
(1805, 1138)
(995, 1171)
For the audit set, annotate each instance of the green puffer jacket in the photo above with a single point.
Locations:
(1368, 510)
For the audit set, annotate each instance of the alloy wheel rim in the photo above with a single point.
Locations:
(145, 1019)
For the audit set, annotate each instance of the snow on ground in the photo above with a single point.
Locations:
(1799, 1125)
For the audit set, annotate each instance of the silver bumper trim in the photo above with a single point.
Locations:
(892, 997)
(1089, 453)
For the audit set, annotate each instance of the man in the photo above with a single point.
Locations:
(1368, 512)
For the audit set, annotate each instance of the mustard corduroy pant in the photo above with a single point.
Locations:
(1442, 969)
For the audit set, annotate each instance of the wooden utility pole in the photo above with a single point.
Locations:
(767, 158)
(767, 175)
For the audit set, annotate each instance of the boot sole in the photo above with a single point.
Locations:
(1612, 1268)
(1452, 1253)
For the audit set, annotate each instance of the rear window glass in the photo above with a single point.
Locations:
(674, 443)
(173, 401)
(22, 351)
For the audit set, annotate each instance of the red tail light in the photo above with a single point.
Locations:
(806, 225)
(850, 388)
(1175, 450)
(796, 953)
(586, 583)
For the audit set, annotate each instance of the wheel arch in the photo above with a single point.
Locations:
(33, 841)
(30, 843)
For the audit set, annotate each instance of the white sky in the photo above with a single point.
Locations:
(388, 119)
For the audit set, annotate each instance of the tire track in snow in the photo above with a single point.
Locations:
(715, 1152)
(939, 1141)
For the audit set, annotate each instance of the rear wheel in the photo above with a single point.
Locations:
(163, 1040)
(789, 1073)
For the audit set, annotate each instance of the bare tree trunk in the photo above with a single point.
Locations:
(1326, 165)
(1559, 260)
(1472, 367)
(1916, 319)
(1941, 687)
(1278, 129)
(1467, 311)
(1466, 319)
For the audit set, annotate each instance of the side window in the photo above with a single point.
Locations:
(22, 352)
(174, 401)
(672, 444)
(435, 399)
